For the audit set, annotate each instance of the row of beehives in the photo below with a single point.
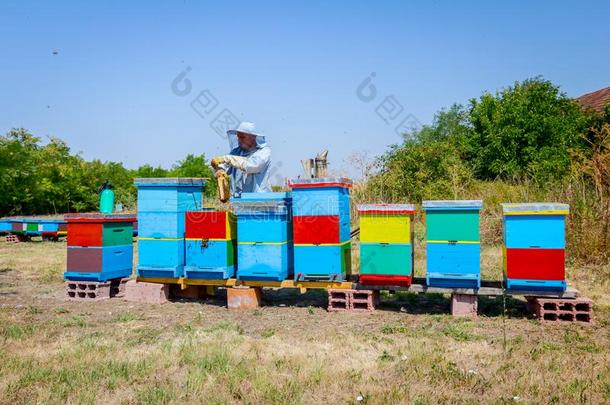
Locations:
(533, 251)
(45, 227)
(305, 235)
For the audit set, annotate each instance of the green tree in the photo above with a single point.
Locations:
(525, 130)
(38, 178)
(196, 166)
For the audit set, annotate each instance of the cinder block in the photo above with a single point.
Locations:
(12, 239)
(559, 310)
(338, 300)
(364, 300)
(464, 305)
(244, 298)
(87, 290)
(352, 300)
(147, 293)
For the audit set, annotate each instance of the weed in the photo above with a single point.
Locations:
(128, 317)
(268, 333)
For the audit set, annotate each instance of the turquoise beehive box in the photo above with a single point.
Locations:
(264, 236)
(162, 206)
(453, 247)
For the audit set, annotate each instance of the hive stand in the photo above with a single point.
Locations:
(241, 294)
(464, 301)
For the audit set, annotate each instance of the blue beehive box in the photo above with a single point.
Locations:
(328, 196)
(49, 225)
(453, 250)
(5, 225)
(322, 262)
(264, 233)
(99, 263)
(319, 253)
(534, 246)
(210, 259)
(162, 204)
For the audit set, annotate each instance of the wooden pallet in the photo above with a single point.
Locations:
(303, 286)
(488, 288)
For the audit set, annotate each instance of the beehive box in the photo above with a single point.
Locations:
(50, 227)
(321, 216)
(100, 247)
(386, 244)
(264, 236)
(534, 246)
(16, 225)
(210, 245)
(162, 207)
(5, 226)
(453, 250)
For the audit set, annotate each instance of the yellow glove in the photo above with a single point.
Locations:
(217, 161)
(238, 162)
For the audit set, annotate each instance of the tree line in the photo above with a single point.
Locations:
(47, 178)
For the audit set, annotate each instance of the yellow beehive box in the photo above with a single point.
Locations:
(386, 223)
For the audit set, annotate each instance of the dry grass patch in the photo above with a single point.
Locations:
(188, 352)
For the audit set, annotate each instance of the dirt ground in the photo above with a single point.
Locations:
(291, 350)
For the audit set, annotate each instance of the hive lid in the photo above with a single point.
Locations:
(248, 197)
(386, 208)
(535, 208)
(170, 181)
(33, 220)
(97, 217)
(249, 203)
(452, 204)
(12, 219)
(47, 220)
(323, 182)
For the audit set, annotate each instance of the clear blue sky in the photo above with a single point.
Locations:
(100, 76)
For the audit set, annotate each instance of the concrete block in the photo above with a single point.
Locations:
(364, 300)
(338, 300)
(147, 293)
(560, 310)
(464, 305)
(87, 290)
(244, 298)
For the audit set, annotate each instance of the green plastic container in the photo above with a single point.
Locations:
(106, 198)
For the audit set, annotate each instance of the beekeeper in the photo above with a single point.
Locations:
(248, 162)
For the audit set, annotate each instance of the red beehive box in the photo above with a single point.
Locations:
(319, 229)
(535, 264)
(208, 224)
(99, 229)
(375, 279)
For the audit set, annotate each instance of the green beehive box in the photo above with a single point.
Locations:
(386, 259)
(117, 234)
(452, 221)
